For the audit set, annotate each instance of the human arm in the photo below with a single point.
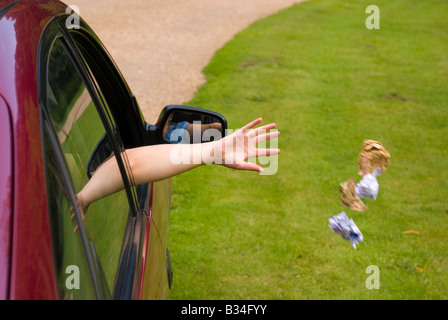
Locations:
(159, 162)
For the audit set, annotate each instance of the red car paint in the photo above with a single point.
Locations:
(5, 196)
(31, 250)
(26, 256)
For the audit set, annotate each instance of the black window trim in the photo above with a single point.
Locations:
(128, 270)
(122, 103)
(50, 35)
(127, 278)
(128, 274)
(91, 88)
(48, 130)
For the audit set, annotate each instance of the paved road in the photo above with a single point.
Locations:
(161, 46)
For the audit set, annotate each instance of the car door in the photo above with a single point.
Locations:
(6, 195)
(88, 115)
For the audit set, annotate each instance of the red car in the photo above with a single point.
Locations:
(64, 109)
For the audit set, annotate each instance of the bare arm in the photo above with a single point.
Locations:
(158, 162)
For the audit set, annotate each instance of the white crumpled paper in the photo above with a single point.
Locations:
(368, 187)
(344, 226)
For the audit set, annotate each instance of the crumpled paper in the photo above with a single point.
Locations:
(344, 226)
(368, 187)
(373, 161)
(352, 193)
(349, 197)
(373, 155)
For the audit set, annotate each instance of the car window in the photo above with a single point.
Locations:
(116, 99)
(67, 246)
(116, 133)
(121, 106)
(79, 129)
(125, 119)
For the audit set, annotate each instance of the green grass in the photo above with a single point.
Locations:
(329, 83)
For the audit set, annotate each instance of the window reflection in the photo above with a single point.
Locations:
(67, 246)
(79, 130)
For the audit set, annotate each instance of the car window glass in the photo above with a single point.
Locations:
(67, 246)
(113, 125)
(79, 129)
(114, 96)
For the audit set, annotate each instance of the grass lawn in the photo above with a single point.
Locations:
(329, 83)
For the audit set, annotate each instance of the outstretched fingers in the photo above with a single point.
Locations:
(267, 136)
(250, 167)
(251, 124)
(260, 130)
(260, 152)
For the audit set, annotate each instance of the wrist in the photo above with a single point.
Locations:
(208, 152)
(81, 202)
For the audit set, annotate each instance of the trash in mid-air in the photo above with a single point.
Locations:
(373, 161)
(344, 226)
(373, 156)
(368, 187)
(349, 197)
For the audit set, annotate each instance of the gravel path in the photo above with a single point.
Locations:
(161, 46)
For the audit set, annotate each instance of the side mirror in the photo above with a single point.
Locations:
(182, 124)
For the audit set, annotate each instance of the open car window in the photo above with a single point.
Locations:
(79, 128)
(119, 106)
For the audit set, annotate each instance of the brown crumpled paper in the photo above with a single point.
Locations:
(373, 155)
(349, 197)
(373, 158)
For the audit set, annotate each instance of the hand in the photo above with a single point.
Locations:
(233, 150)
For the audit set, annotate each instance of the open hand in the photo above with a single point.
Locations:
(233, 150)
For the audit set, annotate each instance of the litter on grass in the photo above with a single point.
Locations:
(411, 232)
